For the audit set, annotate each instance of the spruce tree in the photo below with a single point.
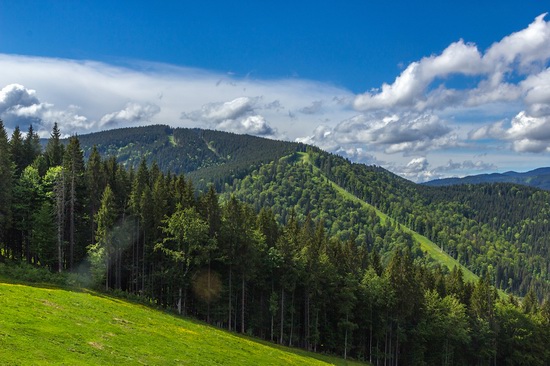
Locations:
(6, 182)
(54, 149)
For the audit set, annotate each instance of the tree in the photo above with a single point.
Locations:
(530, 303)
(54, 149)
(95, 179)
(17, 150)
(31, 146)
(101, 251)
(186, 245)
(6, 182)
(73, 169)
(27, 198)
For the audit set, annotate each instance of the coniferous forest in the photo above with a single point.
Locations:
(267, 246)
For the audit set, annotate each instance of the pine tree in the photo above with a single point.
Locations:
(54, 149)
(73, 168)
(31, 146)
(6, 182)
(95, 179)
(101, 252)
(17, 151)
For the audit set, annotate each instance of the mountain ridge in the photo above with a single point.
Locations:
(538, 178)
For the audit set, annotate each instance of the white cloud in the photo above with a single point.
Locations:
(134, 113)
(21, 106)
(218, 112)
(85, 92)
(252, 125)
(409, 88)
(395, 133)
(523, 52)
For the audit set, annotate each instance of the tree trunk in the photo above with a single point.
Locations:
(282, 315)
(291, 319)
(229, 305)
(209, 295)
(60, 220)
(242, 305)
(72, 218)
(179, 300)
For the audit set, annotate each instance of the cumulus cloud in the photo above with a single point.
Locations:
(252, 125)
(16, 96)
(408, 89)
(406, 133)
(218, 112)
(238, 115)
(523, 52)
(526, 133)
(134, 113)
(21, 106)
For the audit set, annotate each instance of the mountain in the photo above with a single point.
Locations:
(538, 178)
(499, 230)
(292, 244)
(204, 155)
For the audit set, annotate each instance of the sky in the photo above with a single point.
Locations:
(426, 89)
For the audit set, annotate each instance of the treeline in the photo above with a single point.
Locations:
(500, 230)
(148, 233)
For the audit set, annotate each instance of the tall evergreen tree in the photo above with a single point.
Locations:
(17, 150)
(6, 182)
(31, 146)
(102, 250)
(54, 149)
(73, 168)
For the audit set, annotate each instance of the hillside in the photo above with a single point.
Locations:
(44, 326)
(299, 246)
(537, 178)
(207, 156)
(469, 224)
(509, 245)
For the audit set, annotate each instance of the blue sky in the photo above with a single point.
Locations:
(426, 89)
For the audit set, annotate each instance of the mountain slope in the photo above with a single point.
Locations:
(497, 230)
(204, 155)
(538, 178)
(42, 326)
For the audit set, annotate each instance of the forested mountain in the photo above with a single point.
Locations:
(295, 245)
(206, 156)
(472, 224)
(538, 178)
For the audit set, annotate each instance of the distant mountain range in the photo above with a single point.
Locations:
(538, 178)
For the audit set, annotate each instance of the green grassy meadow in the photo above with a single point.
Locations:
(45, 326)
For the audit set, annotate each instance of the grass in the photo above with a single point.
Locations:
(44, 325)
(427, 246)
